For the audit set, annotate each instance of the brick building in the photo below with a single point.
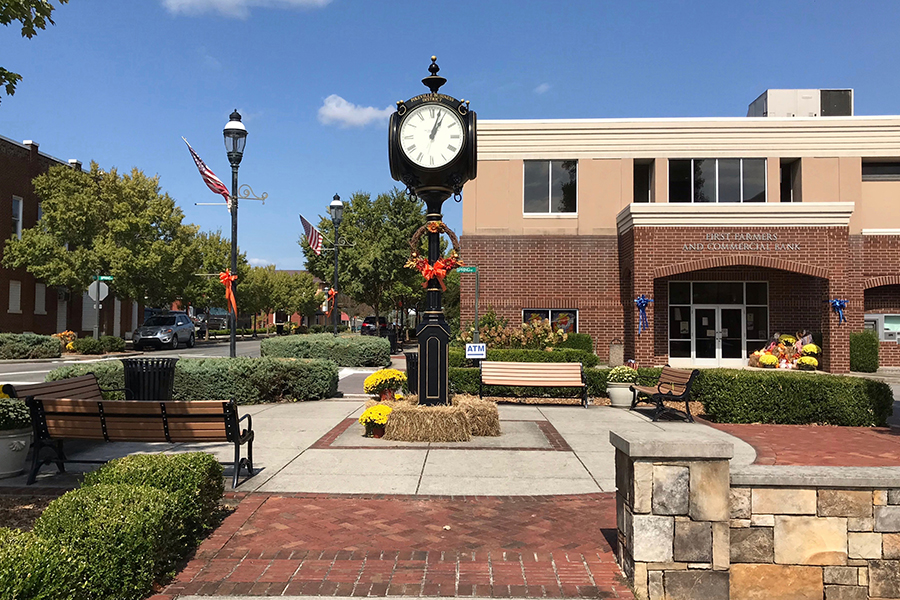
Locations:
(736, 228)
(28, 305)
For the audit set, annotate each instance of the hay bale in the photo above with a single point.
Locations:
(410, 423)
(483, 415)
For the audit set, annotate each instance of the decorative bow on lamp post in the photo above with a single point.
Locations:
(227, 280)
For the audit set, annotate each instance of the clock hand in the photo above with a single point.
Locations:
(437, 123)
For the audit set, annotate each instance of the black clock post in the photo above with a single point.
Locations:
(432, 150)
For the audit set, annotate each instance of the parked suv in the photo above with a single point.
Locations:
(368, 326)
(165, 330)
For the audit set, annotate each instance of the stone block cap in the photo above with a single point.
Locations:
(671, 445)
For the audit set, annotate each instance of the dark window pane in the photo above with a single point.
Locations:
(881, 171)
(679, 349)
(530, 314)
(679, 181)
(679, 322)
(756, 293)
(730, 293)
(757, 326)
(567, 320)
(704, 180)
(537, 177)
(563, 186)
(729, 180)
(754, 180)
(680, 292)
(705, 292)
(641, 182)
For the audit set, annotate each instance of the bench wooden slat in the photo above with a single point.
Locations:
(518, 374)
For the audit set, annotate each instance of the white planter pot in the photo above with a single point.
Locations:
(619, 394)
(13, 451)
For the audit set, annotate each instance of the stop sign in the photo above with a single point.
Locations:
(98, 291)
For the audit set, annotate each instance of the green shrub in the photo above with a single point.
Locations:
(14, 414)
(28, 345)
(112, 343)
(588, 359)
(864, 351)
(33, 568)
(326, 329)
(88, 345)
(247, 380)
(735, 396)
(128, 536)
(578, 341)
(346, 351)
(194, 480)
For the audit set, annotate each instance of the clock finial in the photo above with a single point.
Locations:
(434, 81)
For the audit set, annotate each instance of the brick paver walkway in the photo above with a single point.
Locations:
(354, 545)
(825, 446)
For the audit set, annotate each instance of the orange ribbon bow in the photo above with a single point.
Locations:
(227, 279)
(331, 301)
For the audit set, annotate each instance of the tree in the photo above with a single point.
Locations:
(296, 293)
(101, 223)
(33, 15)
(213, 254)
(381, 230)
(256, 291)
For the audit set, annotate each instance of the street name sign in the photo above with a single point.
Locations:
(467, 269)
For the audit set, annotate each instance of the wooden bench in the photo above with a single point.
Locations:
(674, 385)
(54, 420)
(84, 387)
(570, 375)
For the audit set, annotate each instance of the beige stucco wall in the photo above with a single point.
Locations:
(880, 206)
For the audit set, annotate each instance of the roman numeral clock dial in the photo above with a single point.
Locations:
(431, 135)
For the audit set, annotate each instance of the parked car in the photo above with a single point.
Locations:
(165, 330)
(368, 326)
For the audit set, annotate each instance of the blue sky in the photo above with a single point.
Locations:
(120, 81)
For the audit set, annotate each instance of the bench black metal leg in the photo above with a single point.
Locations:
(250, 455)
(687, 411)
(37, 462)
(60, 463)
(237, 464)
(634, 397)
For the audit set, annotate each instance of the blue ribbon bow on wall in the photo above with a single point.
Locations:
(642, 302)
(838, 306)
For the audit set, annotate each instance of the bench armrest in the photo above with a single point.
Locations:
(249, 431)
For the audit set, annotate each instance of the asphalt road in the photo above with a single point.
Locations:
(34, 372)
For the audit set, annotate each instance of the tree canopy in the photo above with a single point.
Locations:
(99, 222)
(213, 255)
(32, 15)
(372, 271)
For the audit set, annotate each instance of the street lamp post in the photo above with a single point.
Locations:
(235, 137)
(336, 208)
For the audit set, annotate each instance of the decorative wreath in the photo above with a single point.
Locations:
(441, 266)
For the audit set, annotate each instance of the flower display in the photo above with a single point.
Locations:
(384, 380)
(807, 363)
(375, 415)
(65, 338)
(787, 339)
(810, 350)
(622, 375)
(536, 334)
(768, 361)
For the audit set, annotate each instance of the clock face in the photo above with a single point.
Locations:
(432, 135)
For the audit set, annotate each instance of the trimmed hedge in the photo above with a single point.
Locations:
(194, 481)
(28, 345)
(33, 568)
(732, 396)
(578, 341)
(88, 345)
(864, 351)
(247, 380)
(740, 396)
(588, 359)
(327, 329)
(345, 351)
(112, 343)
(127, 536)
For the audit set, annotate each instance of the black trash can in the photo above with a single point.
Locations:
(149, 378)
(412, 372)
(279, 329)
(392, 338)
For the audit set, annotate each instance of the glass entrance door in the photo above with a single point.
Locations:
(718, 336)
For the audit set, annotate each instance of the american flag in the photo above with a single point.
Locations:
(313, 237)
(212, 182)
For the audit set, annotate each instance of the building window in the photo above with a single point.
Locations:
(642, 181)
(551, 186)
(40, 299)
(717, 180)
(881, 171)
(561, 319)
(15, 297)
(17, 216)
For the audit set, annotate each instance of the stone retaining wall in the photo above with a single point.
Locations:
(689, 528)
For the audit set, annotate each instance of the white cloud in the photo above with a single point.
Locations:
(542, 89)
(346, 114)
(259, 262)
(235, 8)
